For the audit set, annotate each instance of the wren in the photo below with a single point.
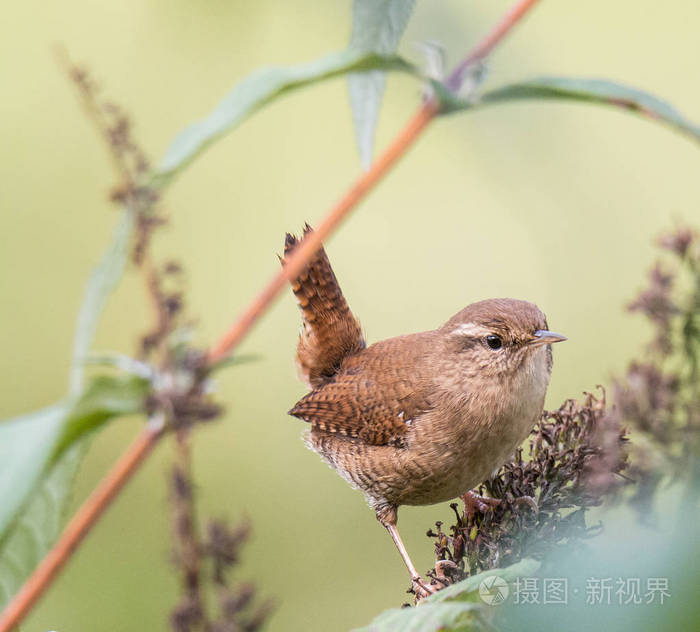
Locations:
(422, 418)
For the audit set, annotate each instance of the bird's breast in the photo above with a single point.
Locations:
(470, 433)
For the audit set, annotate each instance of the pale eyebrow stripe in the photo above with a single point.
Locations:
(469, 329)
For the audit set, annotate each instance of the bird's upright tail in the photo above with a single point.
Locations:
(329, 330)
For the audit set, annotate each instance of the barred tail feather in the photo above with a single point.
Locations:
(329, 330)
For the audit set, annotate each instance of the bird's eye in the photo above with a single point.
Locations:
(494, 342)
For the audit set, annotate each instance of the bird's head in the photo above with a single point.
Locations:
(499, 338)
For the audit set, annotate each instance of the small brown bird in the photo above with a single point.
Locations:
(423, 418)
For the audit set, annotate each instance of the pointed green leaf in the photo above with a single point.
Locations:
(31, 444)
(468, 588)
(26, 445)
(39, 455)
(38, 525)
(600, 91)
(40, 452)
(377, 26)
(102, 282)
(429, 617)
(257, 90)
(452, 609)
(106, 396)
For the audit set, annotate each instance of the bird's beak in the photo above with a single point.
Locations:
(545, 337)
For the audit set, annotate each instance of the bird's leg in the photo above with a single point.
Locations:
(387, 516)
(474, 503)
(421, 588)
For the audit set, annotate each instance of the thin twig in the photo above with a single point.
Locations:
(79, 526)
(110, 486)
(488, 43)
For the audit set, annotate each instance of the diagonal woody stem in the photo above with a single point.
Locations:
(128, 463)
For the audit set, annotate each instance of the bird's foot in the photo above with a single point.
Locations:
(474, 503)
(421, 588)
(443, 569)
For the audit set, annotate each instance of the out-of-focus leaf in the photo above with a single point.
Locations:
(452, 609)
(41, 451)
(123, 363)
(618, 580)
(39, 455)
(377, 26)
(468, 588)
(600, 91)
(31, 444)
(38, 525)
(429, 617)
(260, 88)
(105, 397)
(26, 445)
(102, 281)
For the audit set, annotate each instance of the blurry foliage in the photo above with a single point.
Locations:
(377, 26)
(659, 396)
(592, 91)
(457, 607)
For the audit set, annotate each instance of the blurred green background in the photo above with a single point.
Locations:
(558, 204)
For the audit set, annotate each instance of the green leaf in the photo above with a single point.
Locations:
(102, 282)
(106, 397)
(26, 445)
(428, 617)
(30, 445)
(455, 608)
(258, 89)
(41, 451)
(38, 526)
(600, 91)
(377, 26)
(39, 455)
(468, 588)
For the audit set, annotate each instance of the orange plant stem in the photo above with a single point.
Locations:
(111, 485)
(488, 43)
(78, 528)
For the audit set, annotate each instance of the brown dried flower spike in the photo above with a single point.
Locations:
(575, 453)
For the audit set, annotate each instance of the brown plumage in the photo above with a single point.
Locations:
(329, 331)
(423, 418)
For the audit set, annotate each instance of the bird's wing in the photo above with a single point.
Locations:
(373, 399)
(329, 331)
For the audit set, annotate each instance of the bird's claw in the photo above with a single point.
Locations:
(421, 589)
(474, 503)
(444, 565)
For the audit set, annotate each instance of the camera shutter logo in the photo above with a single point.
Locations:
(494, 590)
